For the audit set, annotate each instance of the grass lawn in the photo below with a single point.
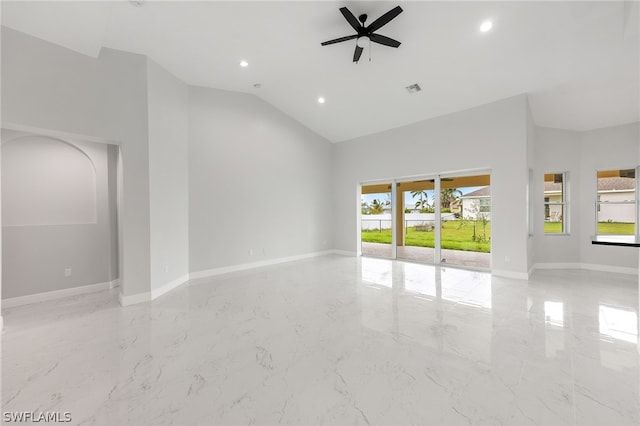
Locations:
(616, 228)
(454, 237)
(611, 228)
(553, 227)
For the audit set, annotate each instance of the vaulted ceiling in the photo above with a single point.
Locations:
(578, 61)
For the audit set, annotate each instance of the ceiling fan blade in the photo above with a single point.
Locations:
(380, 39)
(384, 19)
(351, 19)
(357, 53)
(338, 40)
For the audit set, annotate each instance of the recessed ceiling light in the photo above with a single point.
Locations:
(244, 64)
(486, 26)
(320, 100)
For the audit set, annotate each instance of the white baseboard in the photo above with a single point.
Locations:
(345, 253)
(127, 300)
(58, 294)
(133, 298)
(558, 265)
(169, 286)
(587, 266)
(510, 274)
(609, 268)
(252, 265)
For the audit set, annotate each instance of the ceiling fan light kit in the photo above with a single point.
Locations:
(365, 35)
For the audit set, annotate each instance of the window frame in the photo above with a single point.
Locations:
(635, 203)
(565, 204)
(484, 205)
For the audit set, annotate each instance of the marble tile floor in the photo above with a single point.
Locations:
(336, 340)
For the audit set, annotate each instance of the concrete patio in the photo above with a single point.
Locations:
(426, 254)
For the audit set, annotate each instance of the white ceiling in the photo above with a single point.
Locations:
(578, 61)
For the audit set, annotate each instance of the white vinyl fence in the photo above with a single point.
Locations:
(376, 222)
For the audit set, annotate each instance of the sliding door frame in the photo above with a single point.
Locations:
(465, 173)
(436, 177)
(393, 184)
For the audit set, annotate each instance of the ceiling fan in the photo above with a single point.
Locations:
(364, 34)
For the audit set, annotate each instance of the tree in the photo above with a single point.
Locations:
(423, 200)
(448, 196)
(377, 207)
(364, 208)
(477, 217)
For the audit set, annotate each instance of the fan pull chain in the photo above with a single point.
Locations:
(369, 50)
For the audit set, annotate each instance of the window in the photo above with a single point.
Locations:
(556, 203)
(485, 205)
(616, 202)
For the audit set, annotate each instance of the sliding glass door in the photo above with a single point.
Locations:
(376, 220)
(416, 220)
(465, 217)
(443, 219)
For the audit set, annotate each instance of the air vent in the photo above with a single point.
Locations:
(414, 88)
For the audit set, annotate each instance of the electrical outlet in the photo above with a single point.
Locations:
(165, 269)
(507, 259)
(67, 272)
(250, 252)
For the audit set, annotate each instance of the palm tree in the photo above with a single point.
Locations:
(423, 201)
(376, 207)
(449, 196)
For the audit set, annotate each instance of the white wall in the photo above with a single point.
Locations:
(244, 152)
(48, 87)
(168, 176)
(112, 152)
(73, 226)
(582, 154)
(124, 97)
(604, 149)
(531, 158)
(556, 151)
(269, 159)
(47, 182)
(489, 137)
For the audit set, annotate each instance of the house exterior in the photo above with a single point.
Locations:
(477, 204)
(553, 194)
(610, 190)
